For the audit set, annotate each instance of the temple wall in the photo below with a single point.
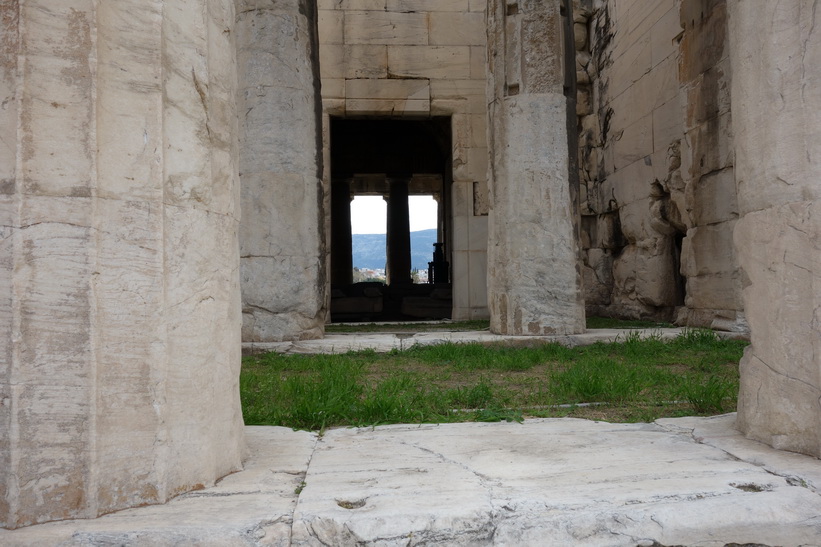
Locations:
(658, 192)
(120, 292)
(416, 59)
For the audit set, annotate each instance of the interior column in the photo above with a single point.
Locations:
(341, 246)
(534, 281)
(399, 249)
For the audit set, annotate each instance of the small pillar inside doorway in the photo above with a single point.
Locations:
(398, 237)
(341, 246)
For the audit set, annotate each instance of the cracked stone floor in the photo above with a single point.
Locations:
(684, 481)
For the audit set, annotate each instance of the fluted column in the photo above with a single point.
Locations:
(534, 280)
(775, 52)
(119, 292)
(341, 241)
(282, 239)
(399, 249)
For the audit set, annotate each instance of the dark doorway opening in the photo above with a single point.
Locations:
(395, 159)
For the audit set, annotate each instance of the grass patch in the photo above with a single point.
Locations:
(630, 380)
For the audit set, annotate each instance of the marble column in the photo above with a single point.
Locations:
(282, 235)
(775, 52)
(534, 280)
(341, 241)
(119, 295)
(399, 249)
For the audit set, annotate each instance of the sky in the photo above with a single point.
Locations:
(369, 214)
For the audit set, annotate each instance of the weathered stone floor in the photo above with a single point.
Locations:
(340, 343)
(685, 481)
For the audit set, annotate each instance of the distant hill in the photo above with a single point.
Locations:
(369, 249)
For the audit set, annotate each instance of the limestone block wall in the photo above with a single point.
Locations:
(658, 198)
(282, 241)
(420, 58)
(534, 282)
(119, 292)
(775, 50)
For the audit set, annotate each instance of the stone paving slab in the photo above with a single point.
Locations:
(384, 342)
(683, 481)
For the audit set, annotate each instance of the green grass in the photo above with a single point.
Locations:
(632, 380)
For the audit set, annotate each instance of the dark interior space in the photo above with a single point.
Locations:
(395, 159)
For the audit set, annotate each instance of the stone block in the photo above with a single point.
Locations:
(630, 66)
(333, 88)
(442, 88)
(534, 284)
(478, 62)
(646, 273)
(664, 34)
(478, 131)
(273, 311)
(667, 125)
(470, 164)
(332, 62)
(710, 146)
(477, 232)
(460, 279)
(427, 5)
(580, 36)
(779, 253)
(457, 29)
(714, 291)
(416, 89)
(365, 61)
(632, 183)
(707, 250)
(633, 143)
(461, 136)
(331, 26)
(461, 206)
(434, 62)
(598, 277)
(711, 199)
(708, 94)
(704, 38)
(361, 5)
(387, 107)
(478, 279)
(378, 96)
(634, 219)
(584, 101)
(542, 49)
(637, 19)
(333, 107)
(385, 27)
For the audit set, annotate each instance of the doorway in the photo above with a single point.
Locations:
(397, 161)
